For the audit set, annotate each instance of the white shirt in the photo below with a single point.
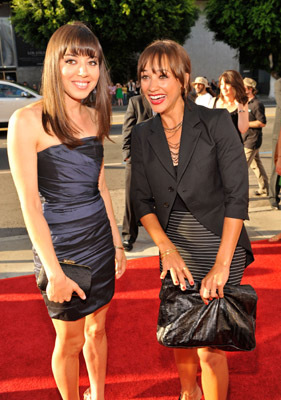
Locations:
(204, 100)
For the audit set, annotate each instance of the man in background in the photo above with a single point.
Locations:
(138, 110)
(203, 97)
(252, 139)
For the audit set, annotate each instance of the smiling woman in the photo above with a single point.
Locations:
(80, 73)
(68, 46)
(188, 199)
(59, 160)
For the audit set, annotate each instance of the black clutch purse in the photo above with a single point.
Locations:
(229, 323)
(81, 274)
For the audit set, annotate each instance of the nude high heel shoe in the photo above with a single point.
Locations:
(87, 394)
(195, 395)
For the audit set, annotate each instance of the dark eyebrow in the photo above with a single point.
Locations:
(77, 55)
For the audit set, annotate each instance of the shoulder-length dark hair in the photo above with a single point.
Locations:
(234, 79)
(78, 39)
(176, 55)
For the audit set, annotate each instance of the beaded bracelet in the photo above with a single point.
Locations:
(119, 247)
(167, 252)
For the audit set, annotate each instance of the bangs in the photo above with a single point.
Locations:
(226, 79)
(86, 50)
(80, 41)
(165, 53)
(159, 57)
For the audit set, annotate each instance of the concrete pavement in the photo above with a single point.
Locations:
(16, 254)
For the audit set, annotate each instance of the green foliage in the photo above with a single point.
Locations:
(124, 27)
(251, 26)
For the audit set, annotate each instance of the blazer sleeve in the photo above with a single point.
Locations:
(232, 167)
(129, 122)
(140, 192)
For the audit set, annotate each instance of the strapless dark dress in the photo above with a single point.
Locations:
(78, 222)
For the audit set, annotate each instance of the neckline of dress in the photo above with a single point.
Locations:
(63, 144)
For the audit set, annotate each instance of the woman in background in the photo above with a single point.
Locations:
(234, 98)
(55, 148)
(119, 94)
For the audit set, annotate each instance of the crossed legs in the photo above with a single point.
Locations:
(72, 336)
(214, 373)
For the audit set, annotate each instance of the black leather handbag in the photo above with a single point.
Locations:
(81, 274)
(227, 323)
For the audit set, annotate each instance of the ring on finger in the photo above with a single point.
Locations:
(184, 268)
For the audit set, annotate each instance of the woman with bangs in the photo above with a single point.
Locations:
(233, 97)
(55, 152)
(189, 199)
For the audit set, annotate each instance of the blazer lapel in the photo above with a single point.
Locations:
(189, 137)
(158, 142)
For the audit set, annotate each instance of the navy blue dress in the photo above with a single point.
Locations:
(78, 222)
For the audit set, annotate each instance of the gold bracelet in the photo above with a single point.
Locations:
(167, 252)
(119, 247)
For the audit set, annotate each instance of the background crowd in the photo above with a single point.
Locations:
(239, 97)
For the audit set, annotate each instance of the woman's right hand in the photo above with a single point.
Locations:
(61, 289)
(174, 263)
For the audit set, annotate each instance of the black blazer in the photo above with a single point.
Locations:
(212, 177)
(138, 110)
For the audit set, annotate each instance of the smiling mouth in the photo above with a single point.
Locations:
(157, 98)
(81, 85)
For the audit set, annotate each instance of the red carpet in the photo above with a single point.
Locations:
(138, 367)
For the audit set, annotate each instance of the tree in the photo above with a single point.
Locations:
(124, 27)
(251, 26)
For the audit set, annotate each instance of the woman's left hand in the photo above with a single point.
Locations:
(120, 263)
(213, 283)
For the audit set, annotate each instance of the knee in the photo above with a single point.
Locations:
(211, 358)
(95, 333)
(70, 345)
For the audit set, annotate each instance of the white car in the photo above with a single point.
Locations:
(12, 97)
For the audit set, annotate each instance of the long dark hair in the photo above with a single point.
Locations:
(178, 59)
(234, 79)
(79, 40)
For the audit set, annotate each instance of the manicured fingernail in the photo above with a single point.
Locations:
(183, 288)
(192, 283)
(176, 283)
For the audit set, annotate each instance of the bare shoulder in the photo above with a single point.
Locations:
(30, 113)
(26, 123)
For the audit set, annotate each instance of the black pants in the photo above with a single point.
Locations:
(130, 226)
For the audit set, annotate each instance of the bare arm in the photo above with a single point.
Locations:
(120, 256)
(218, 275)
(171, 261)
(22, 152)
(243, 117)
(256, 124)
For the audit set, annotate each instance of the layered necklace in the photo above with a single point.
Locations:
(174, 147)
